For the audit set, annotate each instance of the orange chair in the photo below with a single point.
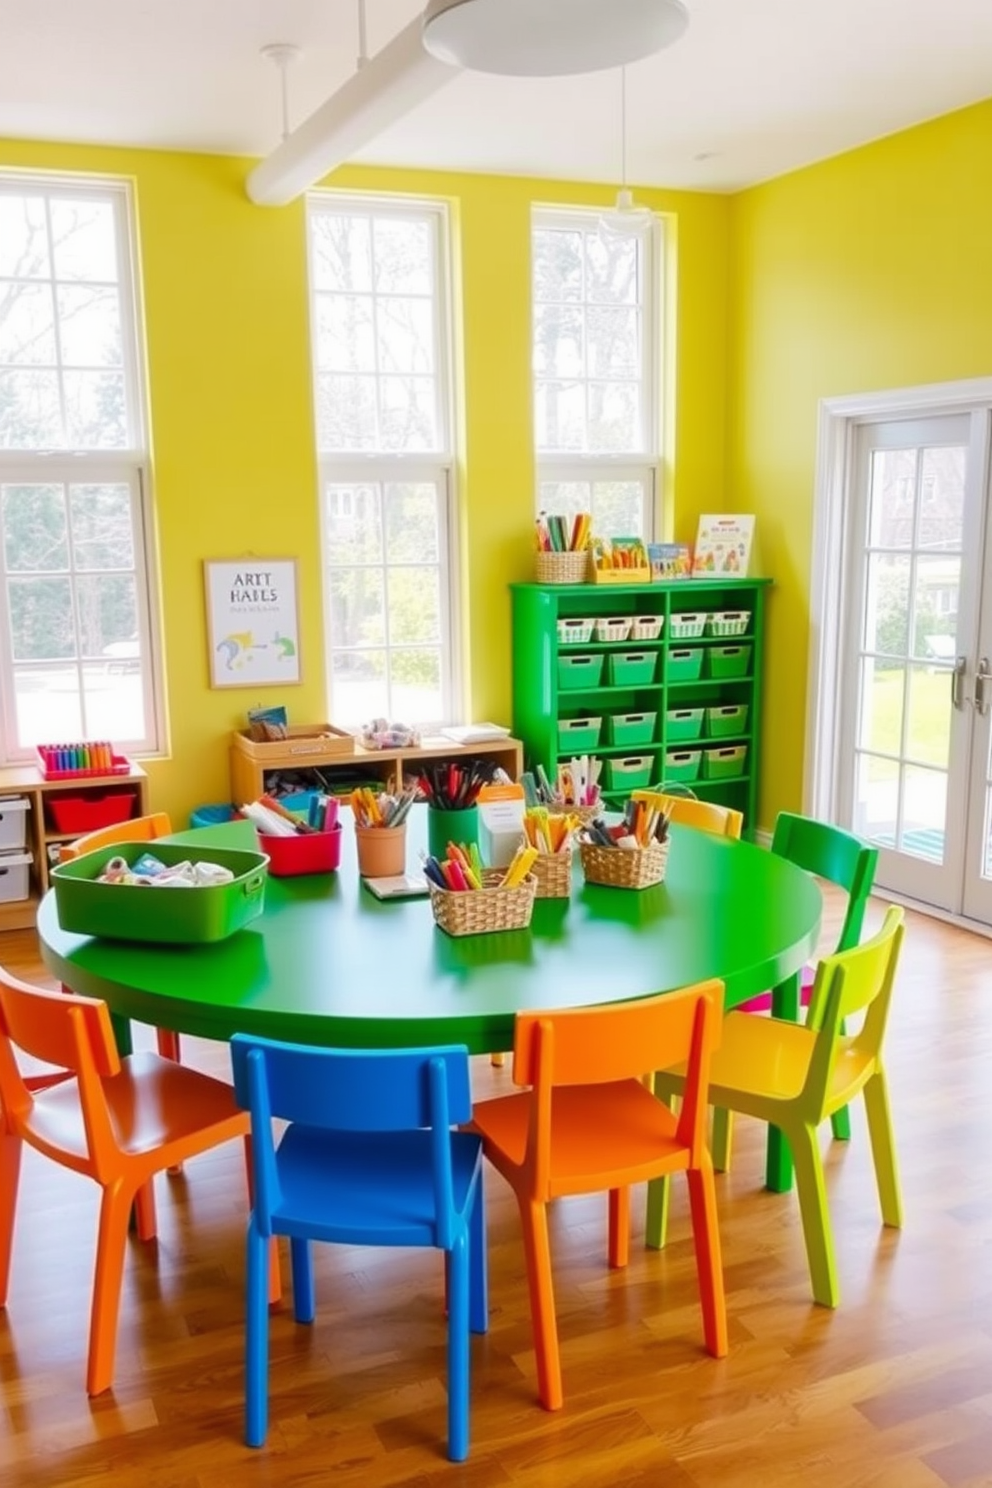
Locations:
(588, 1123)
(689, 812)
(138, 829)
(119, 1122)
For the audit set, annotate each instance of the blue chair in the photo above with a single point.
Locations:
(369, 1159)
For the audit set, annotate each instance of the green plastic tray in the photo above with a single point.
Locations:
(724, 764)
(631, 728)
(682, 725)
(728, 661)
(164, 916)
(725, 721)
(629, 774)
(632, 668)
(682, 764)
(578, 735)
(684, 665)
(579, 671)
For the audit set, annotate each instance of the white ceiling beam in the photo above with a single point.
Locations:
(386, 88)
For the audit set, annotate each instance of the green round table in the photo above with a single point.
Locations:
(328, 963)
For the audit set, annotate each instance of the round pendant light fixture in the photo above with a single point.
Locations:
(550, 38)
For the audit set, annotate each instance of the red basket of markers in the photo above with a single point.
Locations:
(81, 761)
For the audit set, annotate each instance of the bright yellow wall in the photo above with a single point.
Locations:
(224, 286)
(869, 271)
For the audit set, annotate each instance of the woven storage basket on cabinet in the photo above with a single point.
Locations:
(479, 911)
(562, 568)
(553, 872)
(624, 868)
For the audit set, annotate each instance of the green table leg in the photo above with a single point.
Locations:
(122, 1034)
(778, 1169)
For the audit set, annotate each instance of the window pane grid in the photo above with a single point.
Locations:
(76, 649)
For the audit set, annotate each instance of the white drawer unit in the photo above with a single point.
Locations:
(13, 822)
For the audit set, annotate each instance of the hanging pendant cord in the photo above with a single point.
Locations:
(623, 127)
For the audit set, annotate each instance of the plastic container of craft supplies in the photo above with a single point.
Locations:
(176, 916)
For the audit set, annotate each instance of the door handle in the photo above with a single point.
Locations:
(957, 681)
(982, 676)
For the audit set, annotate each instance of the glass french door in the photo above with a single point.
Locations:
(915, 773)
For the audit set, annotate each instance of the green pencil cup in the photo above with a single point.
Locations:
(443, 827)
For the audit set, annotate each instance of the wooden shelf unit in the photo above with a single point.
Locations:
(27, 781)
(388, 765)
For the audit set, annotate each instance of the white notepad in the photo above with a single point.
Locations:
(399, 886)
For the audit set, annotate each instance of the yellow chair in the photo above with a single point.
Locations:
(689, 812)
(138, 829)
(794, 1076)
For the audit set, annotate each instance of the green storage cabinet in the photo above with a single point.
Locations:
(693, 688)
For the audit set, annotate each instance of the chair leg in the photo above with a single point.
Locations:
(883, 1149)
(619, 1241)
(458, 1350)
(534, 1223)
(840, 1121)
(257, 1337)
(656, 1221)
(497, 1060)
(111, 1245)
(815, 1215)
(301, 1262)
(144, 1210)
(168, 1044)
(478, 1266)
(709, 1262)
(722, 1138)
(10, 1172)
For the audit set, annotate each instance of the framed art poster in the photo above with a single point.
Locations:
(252, 622)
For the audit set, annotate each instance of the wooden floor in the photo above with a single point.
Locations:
(894, 1390)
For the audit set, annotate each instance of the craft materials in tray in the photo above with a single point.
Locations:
(633, 854)
(620, 560)
(576, 787)
(74, 761)
(551, 836)
(297, 844)
(132, 911)
(467, 899)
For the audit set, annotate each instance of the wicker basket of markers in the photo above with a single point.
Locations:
(624, 867)
(481, 911)
(561, 568)
(553, 872)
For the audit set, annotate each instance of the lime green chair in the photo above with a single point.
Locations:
(842, 859)
(794, 1076)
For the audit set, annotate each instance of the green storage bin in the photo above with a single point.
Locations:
(631, 773)
(682, 765)
(726, 763)
(726, 720)
(578, 735)
(631, 728)
(632, 668)
(579, 671)
(729, 661)
(685, 664)
(160, 916)
(682, 725)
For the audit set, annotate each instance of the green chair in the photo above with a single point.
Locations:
(842, 859)
(794, 1076)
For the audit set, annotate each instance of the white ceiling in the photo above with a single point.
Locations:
(755, 88)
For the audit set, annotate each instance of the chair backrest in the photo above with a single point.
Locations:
(601, 1045)
(689, 812)
(138, 829)
(60, 1028)
(852, 981)
(835, 855)
(349, 1090)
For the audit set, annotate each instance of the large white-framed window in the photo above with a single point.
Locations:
(380, 319)
(596, 358)
(78, 646)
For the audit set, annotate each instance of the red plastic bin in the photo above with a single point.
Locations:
(310, 852)
(80, 814)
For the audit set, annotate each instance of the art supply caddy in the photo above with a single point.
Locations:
(295, 844)
(631, 855)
